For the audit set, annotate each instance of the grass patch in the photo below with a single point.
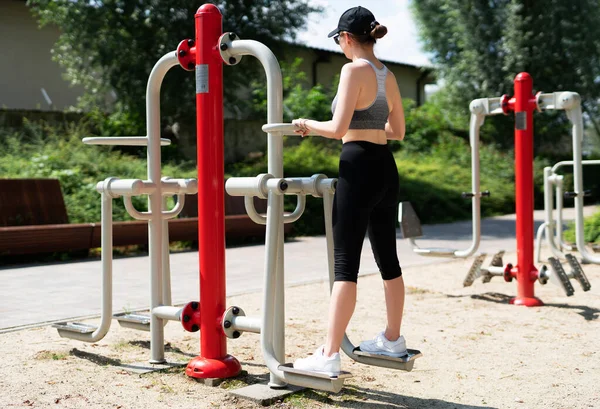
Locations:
(122, 346)
(351, 394)
(416, 290)
(305, 398)
(158, 383)
(234, 384)
(591, 230)
(51, 355)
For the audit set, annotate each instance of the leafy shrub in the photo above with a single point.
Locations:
(425, 125)
(432, 179)
(432, 182)
(299, 99)
(41, 151)
(591, 230)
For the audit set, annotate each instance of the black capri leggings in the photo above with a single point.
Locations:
(366, 198)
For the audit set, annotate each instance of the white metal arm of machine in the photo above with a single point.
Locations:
(122, 140)
(571, 103)
(85, 332)
(272, 341)
(411, 228)
(283, 129)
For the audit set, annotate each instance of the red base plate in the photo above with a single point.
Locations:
(527, 301)
(225, 367)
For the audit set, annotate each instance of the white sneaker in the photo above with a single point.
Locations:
(318, 362)
(382, 346)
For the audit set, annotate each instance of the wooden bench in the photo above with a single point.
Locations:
(33, 220)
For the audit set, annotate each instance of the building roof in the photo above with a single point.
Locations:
(418, 67)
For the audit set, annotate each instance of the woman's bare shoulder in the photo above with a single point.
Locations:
(356, 69)
(358, 65)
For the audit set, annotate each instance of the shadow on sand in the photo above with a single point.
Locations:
(588, 313)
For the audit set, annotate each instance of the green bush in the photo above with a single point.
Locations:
(300, 99)
(432, 182)
(591, 230)
(425, 125)
(431, 179)
(41, 151)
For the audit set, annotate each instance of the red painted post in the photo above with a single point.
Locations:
(213, 362)
(524, 104)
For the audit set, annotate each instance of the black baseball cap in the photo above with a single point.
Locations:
(357, 20)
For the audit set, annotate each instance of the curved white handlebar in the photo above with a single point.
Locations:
(122, 140)
(282, 129)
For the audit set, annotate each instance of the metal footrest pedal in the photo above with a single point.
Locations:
(403, 363)
(497, 259)
(560, 277)
(135, 321)
(474, 271)
(486, 276)
(316, 380)
(76, 327)
(410, 225)
(578, 273)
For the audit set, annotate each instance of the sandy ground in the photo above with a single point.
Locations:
(478, 352)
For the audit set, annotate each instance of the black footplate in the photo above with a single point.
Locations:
(474, 271)
(559, 272)
(497, 259)
(578, 273)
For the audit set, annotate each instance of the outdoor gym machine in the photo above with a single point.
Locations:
(523, 104)
(205, 55)
(271, 186)
(555, 239)
(156, 188)
(409, 221)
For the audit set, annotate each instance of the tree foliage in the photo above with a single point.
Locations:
(480, 46)
(300, 100)
(113, 44)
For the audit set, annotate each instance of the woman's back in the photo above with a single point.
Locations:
(377, 92)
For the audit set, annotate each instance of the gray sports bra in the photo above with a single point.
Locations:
(376, 115)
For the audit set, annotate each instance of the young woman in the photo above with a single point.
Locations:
(367, 111)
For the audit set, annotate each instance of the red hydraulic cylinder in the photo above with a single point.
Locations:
(213, 362)
(524, 103)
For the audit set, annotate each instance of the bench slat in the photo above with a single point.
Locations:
(19, 240)
(25, 202)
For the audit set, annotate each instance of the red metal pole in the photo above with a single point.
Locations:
(524, 104)
(213, 362)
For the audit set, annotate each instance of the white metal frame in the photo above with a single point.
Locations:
(480, 108)
(570, 102)
(273, 186)
(156, 188)
(551, 229)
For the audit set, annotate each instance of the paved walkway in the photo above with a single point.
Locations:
(35, 294)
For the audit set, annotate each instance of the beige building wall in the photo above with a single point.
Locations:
(26, 64)
(322, 66)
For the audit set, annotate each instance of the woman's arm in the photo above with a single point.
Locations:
(396, 125)
(348, 91)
